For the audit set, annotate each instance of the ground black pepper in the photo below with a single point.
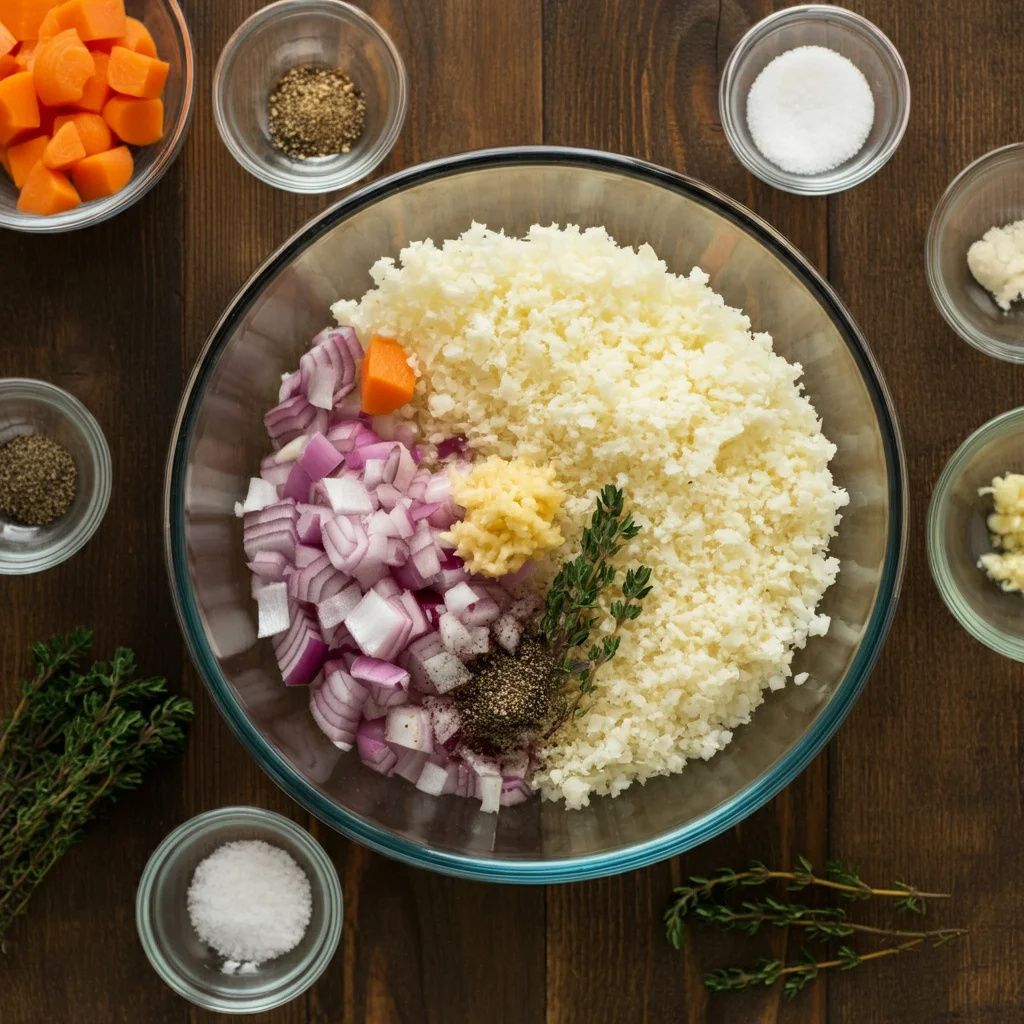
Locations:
(509, 695)
(37, 479)
(315, 112)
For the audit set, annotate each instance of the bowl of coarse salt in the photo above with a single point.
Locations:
(814, 99)
(239, 910)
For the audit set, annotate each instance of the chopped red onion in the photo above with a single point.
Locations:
(435, 780)
(317, 581)
(344, 689)
(410, 764)
(412, 608)
(308, 525)
(331, 610)
(507, 632)
(378, 627)
(409, 727)
(345, 542)
(271, 565)
(305, 554)
(298, 483)
(301, 651)
(374, 750)
(348, 496)
(319, 457)
(261, 493)
(482, 613)
(274, 615)
(382, 674)
(514, 792)
(388, 496)
(446, 672)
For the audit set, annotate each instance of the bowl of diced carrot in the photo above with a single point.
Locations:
(95, 101)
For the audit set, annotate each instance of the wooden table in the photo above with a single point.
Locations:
(922, 780)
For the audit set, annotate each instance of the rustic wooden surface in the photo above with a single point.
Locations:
(923, 779)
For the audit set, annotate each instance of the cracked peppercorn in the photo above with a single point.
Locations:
(38, 479)
(315, 112)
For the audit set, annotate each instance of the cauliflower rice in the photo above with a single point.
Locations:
(564, 347)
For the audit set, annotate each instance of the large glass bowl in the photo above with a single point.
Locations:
(219, 439)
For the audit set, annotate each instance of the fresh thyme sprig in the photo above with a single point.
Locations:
(821, 923)
(838, 878)
(703, 900)
(797, 975)
(572, 607)
(73, 742)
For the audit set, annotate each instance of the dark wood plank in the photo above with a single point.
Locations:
(926, 774)
(98, 312)
(656, 97)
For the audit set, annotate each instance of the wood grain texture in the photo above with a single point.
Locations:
(924, 778)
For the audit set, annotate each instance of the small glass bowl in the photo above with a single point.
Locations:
(958, 535)
(181, 958)
(35, 407)
(848, 34)
(988, 193)
(293, 33)
(166, 23)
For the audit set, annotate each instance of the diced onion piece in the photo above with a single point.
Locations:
(381, 522)
(387, 588)
(374, 751)
(298, 483)
(507, 632)
(420, 626)
(348, 496)
(270, 565)
(488, 789)
(274, 615)
(382, 674)
(378, 627)
(301, 652)
(261, 493)
(409, 727)
(388, 496)
(319, 457)
(444, 719)
(435, 780)
(445, 672)
(482, 613)
(331, 612)
(459, 598)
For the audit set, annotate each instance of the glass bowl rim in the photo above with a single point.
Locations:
(75, 413)
(648, 851)
(941, 296)
(395, 116)
(326, 877)
(938, 559)
(89, 214)
(812, 185)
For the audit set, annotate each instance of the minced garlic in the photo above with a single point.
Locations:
(1005, 566)
(510, 508)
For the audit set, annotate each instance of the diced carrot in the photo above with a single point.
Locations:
(103, 174)
(96, 90)
(92, 130)
(8, 65)
(62, 67)
(23, 17)
(47, 192)
(19, 108)
(137, 122)
(94, 19)
(26, 55)
(65, 149)
(136, 37)
(387, 380)
(50, 25)
(7, 40)
(133, 74)
(24, 156)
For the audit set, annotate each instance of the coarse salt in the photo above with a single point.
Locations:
(250, 901)
(810, 110)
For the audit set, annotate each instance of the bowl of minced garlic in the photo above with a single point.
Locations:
(975, 534)
(511, 512)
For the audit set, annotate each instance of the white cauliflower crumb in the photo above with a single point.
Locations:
(563, 347)
(997, 262)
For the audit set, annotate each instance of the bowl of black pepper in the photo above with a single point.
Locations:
(310, 95)
(55, 476)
